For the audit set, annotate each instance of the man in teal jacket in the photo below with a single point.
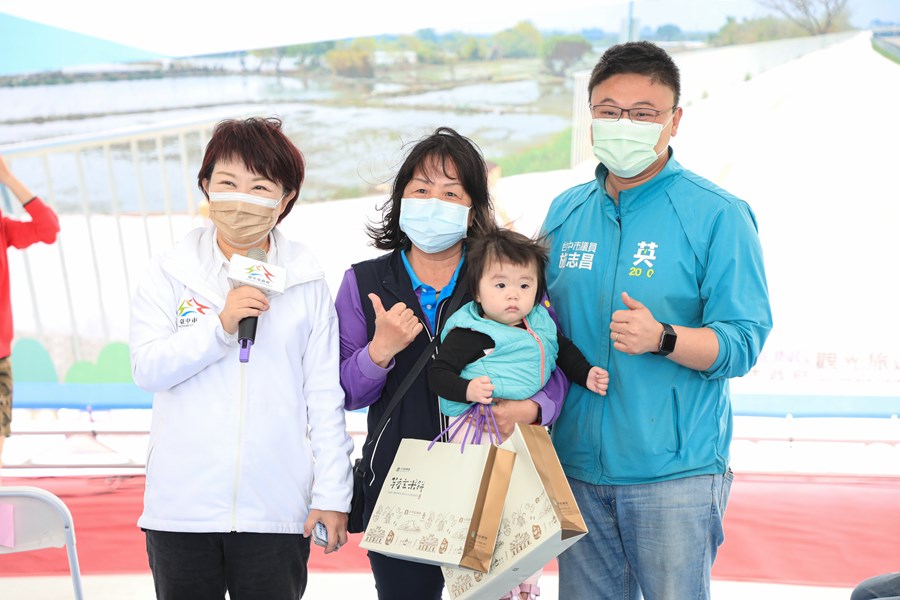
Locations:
(656, 274)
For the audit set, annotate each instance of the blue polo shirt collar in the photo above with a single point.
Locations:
(429, 298)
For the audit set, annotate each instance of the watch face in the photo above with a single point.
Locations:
(667, 341)
(667, 344)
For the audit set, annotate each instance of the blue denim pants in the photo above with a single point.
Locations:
(251, 566)
(659, 539)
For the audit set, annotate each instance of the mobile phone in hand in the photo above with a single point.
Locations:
(320, 535)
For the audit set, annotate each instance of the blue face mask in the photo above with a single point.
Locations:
(433, 225)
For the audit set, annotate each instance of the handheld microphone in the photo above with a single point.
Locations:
(247, 325)
(253, 270)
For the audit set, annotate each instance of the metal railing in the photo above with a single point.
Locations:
(134, 185)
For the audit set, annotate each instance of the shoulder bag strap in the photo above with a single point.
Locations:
(455, 299)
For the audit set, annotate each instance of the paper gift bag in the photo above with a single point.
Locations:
(540, 520)
(441, 506)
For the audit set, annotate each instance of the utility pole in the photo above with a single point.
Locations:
(630, 20)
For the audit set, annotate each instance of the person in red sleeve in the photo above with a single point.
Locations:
(42, 227)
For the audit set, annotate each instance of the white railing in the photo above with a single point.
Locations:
(135, 185)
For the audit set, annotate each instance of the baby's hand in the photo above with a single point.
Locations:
(598, 380)
(480, 390)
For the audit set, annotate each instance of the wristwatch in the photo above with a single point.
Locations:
(667, 341)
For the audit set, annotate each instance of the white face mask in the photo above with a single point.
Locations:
(626, 148)
(433, 225)
(243, 220)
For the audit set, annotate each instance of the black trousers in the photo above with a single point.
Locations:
(251, 566)
(398, 579)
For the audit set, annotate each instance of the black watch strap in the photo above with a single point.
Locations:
(667, 340)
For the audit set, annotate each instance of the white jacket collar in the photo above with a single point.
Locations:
(193, 263)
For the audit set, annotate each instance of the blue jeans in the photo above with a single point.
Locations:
(251, 566)
(657, 538)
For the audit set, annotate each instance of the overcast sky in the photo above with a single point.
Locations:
(188, 27)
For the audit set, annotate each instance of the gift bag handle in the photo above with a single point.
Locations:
(480, 418)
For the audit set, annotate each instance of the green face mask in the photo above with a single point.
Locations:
(624, 147)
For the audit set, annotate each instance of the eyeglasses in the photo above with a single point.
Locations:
(637, 115)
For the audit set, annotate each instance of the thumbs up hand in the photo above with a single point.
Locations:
(377, 305)
(631, 303)
(395, 329)
(634, 330)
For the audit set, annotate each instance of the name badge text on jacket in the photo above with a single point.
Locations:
(577, 255)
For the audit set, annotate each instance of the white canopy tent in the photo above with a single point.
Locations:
(174, 28)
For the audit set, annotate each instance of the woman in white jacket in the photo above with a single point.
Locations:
(245, 457)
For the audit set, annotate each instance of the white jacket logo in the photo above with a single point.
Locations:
(189, 311)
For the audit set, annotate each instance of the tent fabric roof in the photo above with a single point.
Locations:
(30, 47)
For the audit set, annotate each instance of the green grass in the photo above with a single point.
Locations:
(885, 53)
(551, 155)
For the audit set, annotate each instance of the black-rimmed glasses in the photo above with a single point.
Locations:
(637, 115)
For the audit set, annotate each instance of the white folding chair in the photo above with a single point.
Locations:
(41, 520)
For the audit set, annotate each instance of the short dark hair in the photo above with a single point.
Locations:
(264, 149)
(443, 146)
(643, 58)
(505, 245)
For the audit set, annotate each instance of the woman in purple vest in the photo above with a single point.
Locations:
(392, 306)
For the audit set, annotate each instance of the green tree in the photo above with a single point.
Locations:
(750, 31)
(520, 41)
(669, 33)
(355, 59)
(309, 56)
(269, 55)
(560, 52)
(472, 48)
(427, 49)
(428, 35)
(813, 16)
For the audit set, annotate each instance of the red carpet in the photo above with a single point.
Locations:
(810, 529)
(813, 530)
